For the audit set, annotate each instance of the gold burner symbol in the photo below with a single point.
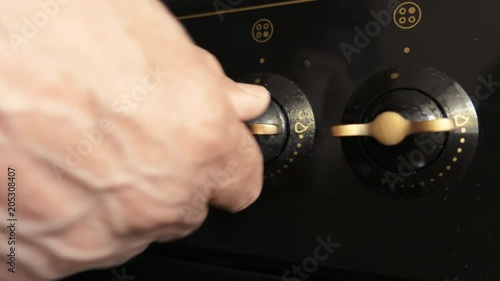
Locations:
(407, 15)
(262, 30)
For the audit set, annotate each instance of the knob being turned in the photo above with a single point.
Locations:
(270, 131)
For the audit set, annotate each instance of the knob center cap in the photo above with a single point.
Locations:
(390, 128)
(394, 111)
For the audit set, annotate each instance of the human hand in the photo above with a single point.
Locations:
(121, 132)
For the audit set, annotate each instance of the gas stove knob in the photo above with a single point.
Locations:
(390, 128)
(285, 132)
(270, 130)
(409, 131)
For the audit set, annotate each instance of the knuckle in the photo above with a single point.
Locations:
(209, 60)
(250, 198)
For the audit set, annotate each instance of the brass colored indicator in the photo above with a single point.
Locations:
(390, 128)
(300, 128)
(462, 120)
(264, 129)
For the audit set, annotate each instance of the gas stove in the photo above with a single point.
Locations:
(382, 143)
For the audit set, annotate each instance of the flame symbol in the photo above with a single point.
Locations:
(461, 120)
(300, 128)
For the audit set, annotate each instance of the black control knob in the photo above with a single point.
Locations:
(398, 122)
(270, 130)
(407, 130)
(285, 132)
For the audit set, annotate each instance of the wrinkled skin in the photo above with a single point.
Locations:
(121, 131)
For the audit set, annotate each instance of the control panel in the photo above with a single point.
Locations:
(381, 142)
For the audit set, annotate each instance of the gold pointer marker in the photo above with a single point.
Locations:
(390, 128)
(264, 129)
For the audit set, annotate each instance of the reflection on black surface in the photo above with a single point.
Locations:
(436, 238)
(414, 239)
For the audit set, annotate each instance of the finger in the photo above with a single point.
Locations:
(249, 101)
(242, 176)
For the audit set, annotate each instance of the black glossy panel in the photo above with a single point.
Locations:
(453, 233)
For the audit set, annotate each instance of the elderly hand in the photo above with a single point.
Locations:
(121, 132)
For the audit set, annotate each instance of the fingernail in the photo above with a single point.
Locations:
(255, 90)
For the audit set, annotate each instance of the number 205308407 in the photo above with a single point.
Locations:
(11, 195)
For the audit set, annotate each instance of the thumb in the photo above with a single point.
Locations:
(249, 101)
